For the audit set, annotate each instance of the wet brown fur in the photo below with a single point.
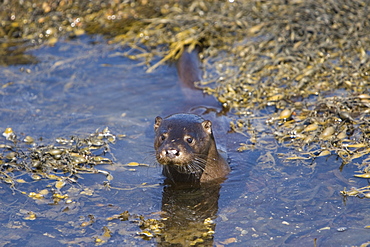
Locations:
(185, 145)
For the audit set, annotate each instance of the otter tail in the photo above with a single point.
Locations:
(189, 68)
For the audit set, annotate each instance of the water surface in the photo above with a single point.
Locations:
(84, 84)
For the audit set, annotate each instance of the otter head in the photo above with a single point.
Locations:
(183, 141)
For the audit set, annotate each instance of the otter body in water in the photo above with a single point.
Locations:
(185, 145)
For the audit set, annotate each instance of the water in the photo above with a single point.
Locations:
(81, 85)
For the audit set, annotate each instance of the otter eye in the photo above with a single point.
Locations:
(163, 136)
(189, 140)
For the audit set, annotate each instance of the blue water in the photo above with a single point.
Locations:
(84, 84)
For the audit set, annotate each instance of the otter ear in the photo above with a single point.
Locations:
(157, 123)
(207, 126)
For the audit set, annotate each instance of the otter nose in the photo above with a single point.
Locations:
(172, 153)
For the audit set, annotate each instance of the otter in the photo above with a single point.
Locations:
(186, 148)
(184, 143)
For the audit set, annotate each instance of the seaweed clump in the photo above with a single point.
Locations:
(23, 161)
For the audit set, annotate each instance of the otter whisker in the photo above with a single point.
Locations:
(151, 159)
(199, 164)
(196, 166)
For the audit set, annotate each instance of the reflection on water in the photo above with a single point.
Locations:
(83, 84)
(15, 54)
(189, 215)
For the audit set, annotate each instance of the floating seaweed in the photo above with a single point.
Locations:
(63, 162)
